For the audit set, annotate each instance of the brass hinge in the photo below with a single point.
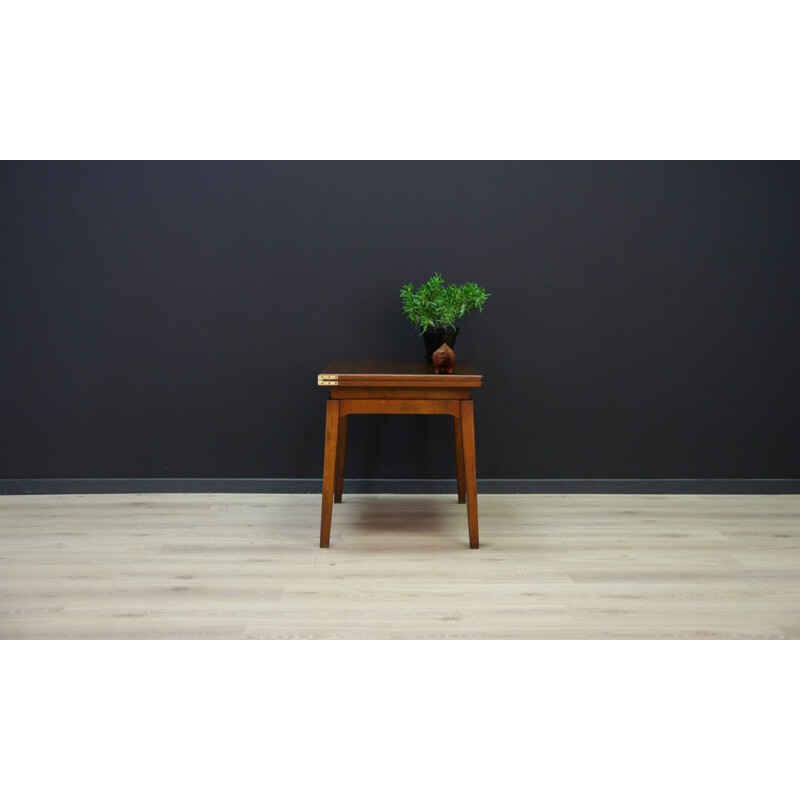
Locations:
(327, 380)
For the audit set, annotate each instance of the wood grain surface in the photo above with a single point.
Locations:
(225, 566)
(375, 372)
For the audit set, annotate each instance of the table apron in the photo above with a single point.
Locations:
(399, 406)
(397, 392)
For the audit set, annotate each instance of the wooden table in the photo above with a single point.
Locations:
(398, 387)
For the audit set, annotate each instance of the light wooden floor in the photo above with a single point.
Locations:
(223, 566)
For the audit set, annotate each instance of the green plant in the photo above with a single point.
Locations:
(436, 305)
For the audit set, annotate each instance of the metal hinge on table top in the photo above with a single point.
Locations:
(327, 380)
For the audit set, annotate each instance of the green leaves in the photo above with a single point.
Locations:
(436, 305)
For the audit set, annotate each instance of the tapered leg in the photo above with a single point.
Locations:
(470, 475)
(329, 471)
(462, 498)
(341, 444)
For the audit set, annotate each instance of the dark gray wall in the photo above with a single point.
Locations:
(169, 319)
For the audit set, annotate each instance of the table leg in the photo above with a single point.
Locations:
(470, 475)
(459, 439)
(341, 444)
(329, 471)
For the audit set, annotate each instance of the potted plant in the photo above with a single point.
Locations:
(436, 307)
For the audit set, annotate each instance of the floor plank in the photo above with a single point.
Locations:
(199, 566)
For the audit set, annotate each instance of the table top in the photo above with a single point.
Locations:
(376, 372)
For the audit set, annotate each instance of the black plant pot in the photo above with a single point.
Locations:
(436, 337)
